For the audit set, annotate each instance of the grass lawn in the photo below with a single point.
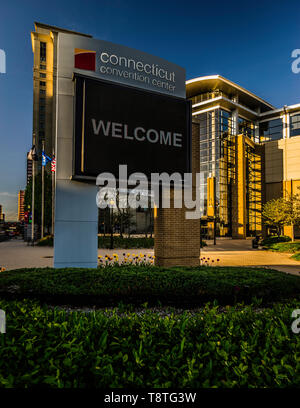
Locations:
(296, 256)
(289, 247)
(179, 286)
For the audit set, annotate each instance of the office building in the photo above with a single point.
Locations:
(44, 47)
(21, 197)
(28, 169)
(249, 154)
(2, 216)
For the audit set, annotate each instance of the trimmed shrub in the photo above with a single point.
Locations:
(234, 349)
(131, 242)
(275, 239)
(139, 284)
(104, 242)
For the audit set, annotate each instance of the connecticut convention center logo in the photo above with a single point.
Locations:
(85, 59)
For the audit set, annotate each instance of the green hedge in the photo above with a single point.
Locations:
(139, 284)
(238, 348)
(275, 239)
(132, 242)
(104, 242)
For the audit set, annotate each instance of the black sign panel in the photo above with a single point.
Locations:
(114, 125)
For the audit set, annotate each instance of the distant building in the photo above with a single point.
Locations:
(44, 47)
(28, 169)
(21, 197)
(2, 216)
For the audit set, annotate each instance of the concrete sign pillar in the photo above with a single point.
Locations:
(76, 212)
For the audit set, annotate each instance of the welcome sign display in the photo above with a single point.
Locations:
(122, 125)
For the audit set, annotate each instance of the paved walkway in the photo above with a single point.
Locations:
(233, 252)
(16, 254)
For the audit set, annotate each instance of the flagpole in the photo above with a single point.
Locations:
(43, 190)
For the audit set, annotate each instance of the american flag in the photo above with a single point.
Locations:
(53, 164)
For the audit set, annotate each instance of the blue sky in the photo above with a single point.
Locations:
(249, 42)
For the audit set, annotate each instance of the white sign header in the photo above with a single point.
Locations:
(117, 63)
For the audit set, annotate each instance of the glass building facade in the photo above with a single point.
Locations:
(271, 130)
(217, 130)
(295, 125)
(241, 139)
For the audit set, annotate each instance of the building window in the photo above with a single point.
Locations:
(42, 83)
(295, 125)
(42, 101)
(247, 128)
(271, 130)
(41, 135)
(43, 51)
(42, 66)
(42, 91)
(42, 75)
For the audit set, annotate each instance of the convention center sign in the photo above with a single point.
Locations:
(129, 108)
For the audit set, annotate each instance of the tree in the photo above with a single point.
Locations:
(38, 199)
(292, 211)
(283, 212)
(274, 213)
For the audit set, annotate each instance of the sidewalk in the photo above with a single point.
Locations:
(239, 252)
(16, 254)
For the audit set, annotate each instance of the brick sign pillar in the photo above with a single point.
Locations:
(177, 239)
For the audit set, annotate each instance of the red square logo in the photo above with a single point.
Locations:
(85, 59)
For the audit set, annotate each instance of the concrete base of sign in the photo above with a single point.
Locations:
(76, 225)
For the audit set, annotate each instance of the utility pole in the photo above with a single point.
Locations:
(43, 191)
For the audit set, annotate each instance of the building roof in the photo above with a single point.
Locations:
(62, 30)
(209, 83)
(285, 109)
